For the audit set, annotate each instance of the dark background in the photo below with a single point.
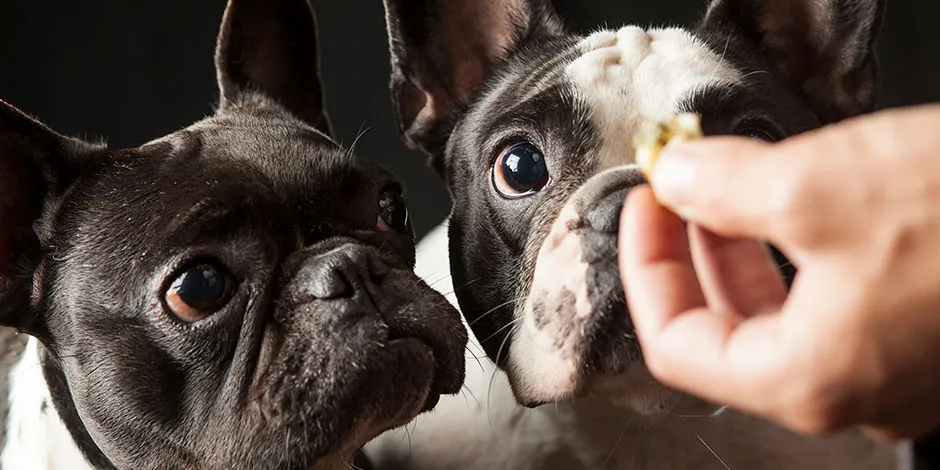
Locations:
(130, 70)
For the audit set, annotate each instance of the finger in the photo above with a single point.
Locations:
(655, 263)
(686, 345)
(737, 275)
(731, 185)
(722, 360)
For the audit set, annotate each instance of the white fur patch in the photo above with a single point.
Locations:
(539, 370)
(36, 439)
(560, 266)
(632, 75)
(541, 365)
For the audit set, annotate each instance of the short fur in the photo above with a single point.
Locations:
(327, 338)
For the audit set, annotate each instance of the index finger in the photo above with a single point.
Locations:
(656, 263)
(686, 345)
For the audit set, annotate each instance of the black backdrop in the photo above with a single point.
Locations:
(131, 70)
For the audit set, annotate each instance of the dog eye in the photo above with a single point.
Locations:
(759, 134)
(393, 212)
(199, 292)
(520, 171)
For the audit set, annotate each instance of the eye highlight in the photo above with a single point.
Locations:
(198, 292)
(520, 170)
(393, 212)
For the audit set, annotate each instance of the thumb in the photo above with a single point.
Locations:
(730, 185)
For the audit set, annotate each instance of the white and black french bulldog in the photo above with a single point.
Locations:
(531, 127)
(236, 295)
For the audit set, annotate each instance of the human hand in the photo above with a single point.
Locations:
(856, 207)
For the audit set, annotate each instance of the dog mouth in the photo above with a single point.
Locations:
(335, 372)
(421, 350)
(565, 352)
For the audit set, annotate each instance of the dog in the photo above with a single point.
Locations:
(531, 128)
(236, 295)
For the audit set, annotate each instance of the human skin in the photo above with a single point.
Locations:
(856, 207)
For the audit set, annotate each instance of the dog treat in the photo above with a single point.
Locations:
(653, 137)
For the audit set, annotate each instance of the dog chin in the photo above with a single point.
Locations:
(421, 392)
(407, 385)
(550, 377)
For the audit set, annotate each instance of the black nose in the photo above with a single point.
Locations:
(342, 272)
(604, 215)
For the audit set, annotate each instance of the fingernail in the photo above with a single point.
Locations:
(672, 178)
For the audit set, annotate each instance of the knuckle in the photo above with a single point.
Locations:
(791, 207)
(655, 364)
(816, 422)
(658, 363)
(813, 408)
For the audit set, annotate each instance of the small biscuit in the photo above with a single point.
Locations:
(654, 137)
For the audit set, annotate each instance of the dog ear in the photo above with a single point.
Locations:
(271, 47)
(36, 164)
(442, 50)
(825, 48)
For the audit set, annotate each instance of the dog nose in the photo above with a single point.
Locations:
(343, 272)
(604, 215)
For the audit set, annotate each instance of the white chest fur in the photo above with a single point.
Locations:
(36, 439)
(483, 428)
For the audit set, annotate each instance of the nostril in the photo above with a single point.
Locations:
(604, 215)
(346, 271)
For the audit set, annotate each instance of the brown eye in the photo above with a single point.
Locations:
(199, 292)
(393, 212)
(520, 171)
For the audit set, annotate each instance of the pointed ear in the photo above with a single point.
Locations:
(825, 48)
(271, 47)
(35, 165)
(443, 50)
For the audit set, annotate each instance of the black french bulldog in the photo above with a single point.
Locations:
(238, 294)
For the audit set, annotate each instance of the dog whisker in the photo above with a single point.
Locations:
(518, 299)
(725, 50)
(468, 391)
(504, 327)
(463, 286)
(667, 413)
(475, 357)
(610, 454)
(352, 147)
(442, 278)
(755, 72)
(489, 389)
(722, 462)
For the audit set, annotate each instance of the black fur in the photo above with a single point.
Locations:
(285, 375)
